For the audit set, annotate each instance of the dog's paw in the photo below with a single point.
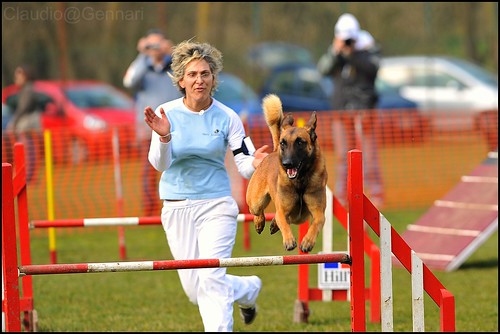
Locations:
(259, 227)
(306, 246)
(259, 221)
(273, 227)
(290, 244)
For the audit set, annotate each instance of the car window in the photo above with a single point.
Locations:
(283, 83)
(417, 76)
(97, 97)
(311, 83)
(232, 89)
(11, 101)
(434, 79)
(228, 92)
(41, 101)
(395, 76)
(383, 87)
(476, 72)
(313, 89)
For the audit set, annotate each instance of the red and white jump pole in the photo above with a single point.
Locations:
(180, 264)
(245, 218)
(119, 221)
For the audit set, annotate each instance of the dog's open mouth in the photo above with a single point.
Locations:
(292, 173)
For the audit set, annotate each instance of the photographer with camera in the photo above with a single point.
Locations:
(147, 77)
(352, 60)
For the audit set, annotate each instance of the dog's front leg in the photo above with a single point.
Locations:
(318, 220)
(286, 232)
(273, 227)
(259, 221)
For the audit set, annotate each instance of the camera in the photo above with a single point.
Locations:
(155, 46)
(349, 42)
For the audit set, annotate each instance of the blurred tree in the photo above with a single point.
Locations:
(101, 37)
(62, 43)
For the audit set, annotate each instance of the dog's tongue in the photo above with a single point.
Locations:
(292, 173)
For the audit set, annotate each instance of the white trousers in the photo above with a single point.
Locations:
(206, 229)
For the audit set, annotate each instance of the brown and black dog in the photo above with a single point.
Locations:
(293, 176)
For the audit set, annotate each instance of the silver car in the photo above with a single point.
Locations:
(453, 93)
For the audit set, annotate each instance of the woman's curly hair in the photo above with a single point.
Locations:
(186, 51)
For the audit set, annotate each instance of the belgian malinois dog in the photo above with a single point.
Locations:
(293, 176)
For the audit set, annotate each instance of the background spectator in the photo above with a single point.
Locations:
(353, 61)
(26, 118)
(148, 79)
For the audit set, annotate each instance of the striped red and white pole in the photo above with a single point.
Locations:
(91, 222)
(75, 268)
(119, 221)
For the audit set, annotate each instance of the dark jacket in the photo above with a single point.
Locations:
(353, 78)
(26, 115)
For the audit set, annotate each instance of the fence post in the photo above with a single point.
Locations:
(447, 311)
(356, 243)
(9, 254)
(21, 192)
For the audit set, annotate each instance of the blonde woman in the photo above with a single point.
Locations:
(190, 137)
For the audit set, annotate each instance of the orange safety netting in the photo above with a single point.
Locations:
(420, 159)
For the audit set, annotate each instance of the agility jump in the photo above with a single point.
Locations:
(360, 209)
(118, 221)
(250, 261)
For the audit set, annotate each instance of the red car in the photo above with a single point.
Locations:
(81, 116)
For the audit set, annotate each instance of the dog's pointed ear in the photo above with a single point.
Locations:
(287, 121)
(311, 126)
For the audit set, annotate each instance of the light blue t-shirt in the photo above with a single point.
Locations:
(198, 150)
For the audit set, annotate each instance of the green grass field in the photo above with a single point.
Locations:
(154, 300)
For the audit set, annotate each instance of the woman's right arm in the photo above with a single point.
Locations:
(160, 153)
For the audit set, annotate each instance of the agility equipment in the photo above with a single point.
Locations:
(338, 290)
(457, 224)
(11, 303)
(118, 221)
(249, 261)
(17, 189)
(360, 209)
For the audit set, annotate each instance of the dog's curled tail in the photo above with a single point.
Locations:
(273, 113)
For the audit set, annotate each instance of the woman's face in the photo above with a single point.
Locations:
(198, 80)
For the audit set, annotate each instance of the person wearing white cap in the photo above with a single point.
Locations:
(352, 60)
(365, 41)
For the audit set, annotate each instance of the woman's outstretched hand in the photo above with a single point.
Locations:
(160, 125)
